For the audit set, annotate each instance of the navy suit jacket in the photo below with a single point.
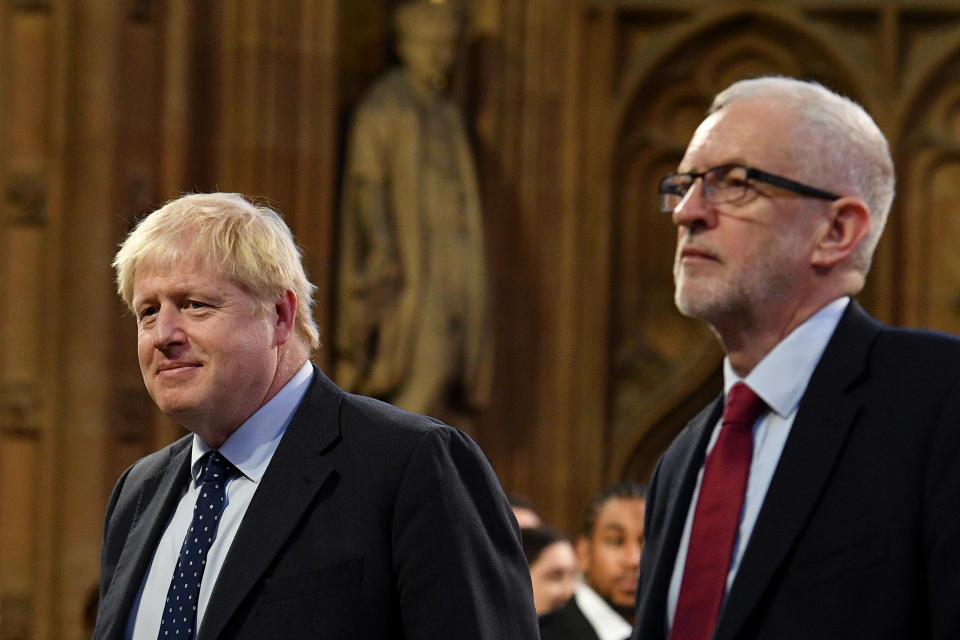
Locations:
(369, 523)
(859, 533)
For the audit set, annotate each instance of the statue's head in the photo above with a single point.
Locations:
(427, 35)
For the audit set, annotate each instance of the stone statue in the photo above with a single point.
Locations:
(412, 311)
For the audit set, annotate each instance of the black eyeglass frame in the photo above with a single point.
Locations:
(752, 174)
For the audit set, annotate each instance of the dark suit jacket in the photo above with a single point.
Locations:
(567, 623)
(369, 522)
(859, 533)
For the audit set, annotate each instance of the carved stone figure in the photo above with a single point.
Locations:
(412, 309)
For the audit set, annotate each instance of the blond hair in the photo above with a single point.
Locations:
(250, 243)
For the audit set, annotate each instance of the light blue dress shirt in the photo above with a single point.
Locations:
(250, 448)
(780, 379)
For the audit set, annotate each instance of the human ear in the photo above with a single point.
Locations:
(286, 314)
(848, 222)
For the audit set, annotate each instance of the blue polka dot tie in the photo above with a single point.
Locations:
(180, 610)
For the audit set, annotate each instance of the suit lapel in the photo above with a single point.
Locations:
(143, 537)
(275, 508)
(827, 411)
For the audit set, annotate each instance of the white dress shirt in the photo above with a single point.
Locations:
(604, 619)
(780, 379)
(250, 448)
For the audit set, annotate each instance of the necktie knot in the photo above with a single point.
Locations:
(217, 468)
(742, 407)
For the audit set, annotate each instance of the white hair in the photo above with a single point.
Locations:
(841, 145)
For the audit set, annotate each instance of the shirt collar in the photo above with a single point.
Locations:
(782, 376)
(604, 619)
(252, 445)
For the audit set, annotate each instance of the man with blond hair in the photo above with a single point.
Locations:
(819, 497)
(293, 509)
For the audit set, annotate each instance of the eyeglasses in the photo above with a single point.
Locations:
(728, 183)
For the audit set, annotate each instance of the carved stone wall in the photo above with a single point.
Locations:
(29, 226)
(107, 109)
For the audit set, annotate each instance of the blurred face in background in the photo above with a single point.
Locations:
(526, 517)
(610, 556)
(554, 576)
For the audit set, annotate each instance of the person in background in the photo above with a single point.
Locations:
(293, 509)
(608, 547)
(524, 511)
(819, 496)
(553, 567)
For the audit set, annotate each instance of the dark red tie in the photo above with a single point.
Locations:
(716, 518)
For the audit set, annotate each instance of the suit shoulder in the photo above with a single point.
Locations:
(394, 438)
(397, 430)
(916, 348)
(566, 623)
(376, 413)
(920, 338)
